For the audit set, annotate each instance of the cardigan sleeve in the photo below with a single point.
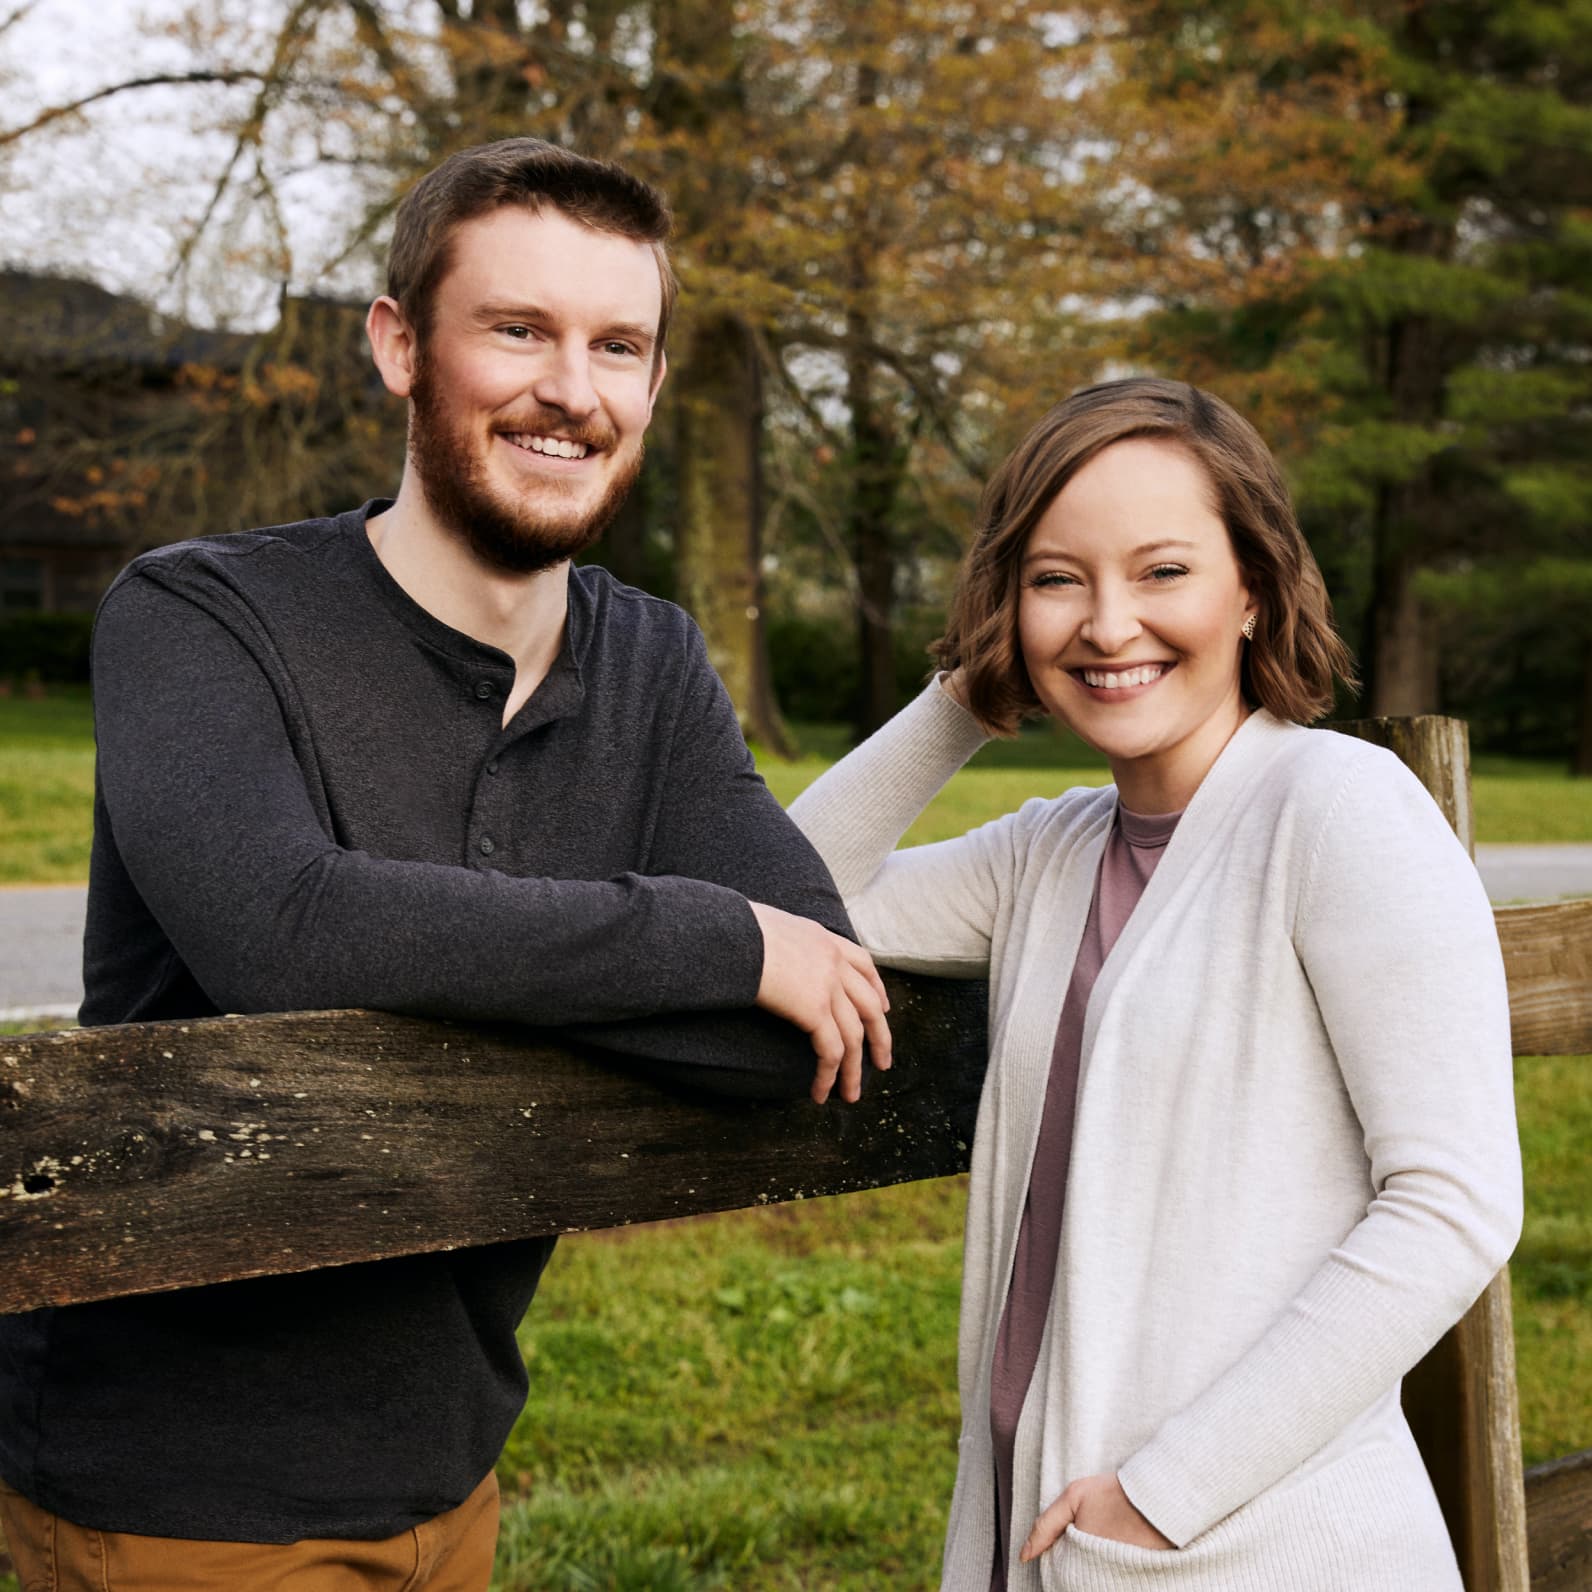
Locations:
(1397, 938)
(927, 909)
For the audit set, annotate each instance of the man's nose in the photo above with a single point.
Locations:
(564, 381)
(1112, 621)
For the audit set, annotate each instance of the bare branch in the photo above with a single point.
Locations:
(372, 31)
(17, 15)
(290, 40)
(162, 79)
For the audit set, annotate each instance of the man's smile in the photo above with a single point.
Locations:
(547, 447)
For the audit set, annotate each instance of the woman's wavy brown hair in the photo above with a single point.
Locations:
(1289, 666)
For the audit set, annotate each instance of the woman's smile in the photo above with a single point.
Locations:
(1130, 618)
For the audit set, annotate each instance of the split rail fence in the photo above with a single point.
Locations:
(163, 1155)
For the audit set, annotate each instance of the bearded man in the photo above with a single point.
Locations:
(409, 757)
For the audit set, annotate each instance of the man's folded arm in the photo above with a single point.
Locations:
(719, 822)
(216, 827)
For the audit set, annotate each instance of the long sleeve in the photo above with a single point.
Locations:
(927, 909)
(216, 828)
(1396, 937)
(720, 823)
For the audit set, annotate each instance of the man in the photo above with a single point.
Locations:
(409, 758)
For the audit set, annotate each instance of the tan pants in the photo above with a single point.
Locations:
(452, 1553)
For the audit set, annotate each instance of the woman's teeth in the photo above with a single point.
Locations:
(1119, 679)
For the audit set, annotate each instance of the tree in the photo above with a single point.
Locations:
(1381, 255)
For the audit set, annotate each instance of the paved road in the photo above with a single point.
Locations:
(41, 929)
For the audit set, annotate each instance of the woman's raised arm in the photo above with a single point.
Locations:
(927, 909)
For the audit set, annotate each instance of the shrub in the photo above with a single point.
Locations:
(49, 647)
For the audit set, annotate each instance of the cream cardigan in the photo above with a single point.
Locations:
(1294, 1161)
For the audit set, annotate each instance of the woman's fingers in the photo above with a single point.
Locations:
(1049, 1527)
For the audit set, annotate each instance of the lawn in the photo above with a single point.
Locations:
(47, 787)
(766, 1399)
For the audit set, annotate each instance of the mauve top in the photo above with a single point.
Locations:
(1132, 851)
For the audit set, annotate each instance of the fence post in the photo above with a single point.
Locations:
(1461, 1400)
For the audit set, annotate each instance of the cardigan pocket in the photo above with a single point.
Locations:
(1366, 1520)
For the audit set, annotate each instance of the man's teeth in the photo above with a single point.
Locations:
(1118, 679)
(558, 447)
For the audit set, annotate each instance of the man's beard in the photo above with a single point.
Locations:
(515, 537)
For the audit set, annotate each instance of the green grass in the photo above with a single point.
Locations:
(47, 787)
(1551, 1274)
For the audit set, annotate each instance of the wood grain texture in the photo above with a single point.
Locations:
(1548, 957)
(1461, 1400)
(1559, 1523)
(160, 1155)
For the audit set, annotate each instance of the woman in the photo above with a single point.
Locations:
(1246, 1146)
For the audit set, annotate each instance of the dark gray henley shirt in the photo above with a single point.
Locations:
(305, 800)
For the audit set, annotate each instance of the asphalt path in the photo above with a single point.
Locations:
(41, 927)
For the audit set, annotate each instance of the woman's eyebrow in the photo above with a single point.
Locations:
(1141, 551)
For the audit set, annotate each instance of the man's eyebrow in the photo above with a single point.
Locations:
(509, 312)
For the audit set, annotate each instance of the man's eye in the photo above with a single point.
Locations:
(618, 349)
(516, 331)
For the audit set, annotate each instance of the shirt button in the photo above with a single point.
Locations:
(491, 767)
(487, 847)
(483, 689)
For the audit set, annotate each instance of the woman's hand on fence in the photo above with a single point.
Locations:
(830, 989)
(1098, 1505)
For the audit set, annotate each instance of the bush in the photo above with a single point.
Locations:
(817, 676)
(49, 647)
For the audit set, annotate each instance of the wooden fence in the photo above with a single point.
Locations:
(161, 1155)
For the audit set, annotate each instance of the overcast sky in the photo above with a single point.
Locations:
(109, 195)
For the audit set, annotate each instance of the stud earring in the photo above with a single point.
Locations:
(1249, 628)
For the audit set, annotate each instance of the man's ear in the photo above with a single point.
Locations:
(657, 380)
(392, 346)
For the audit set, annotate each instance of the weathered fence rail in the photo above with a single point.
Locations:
(162, 1155)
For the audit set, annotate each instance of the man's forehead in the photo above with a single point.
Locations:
(515, 256)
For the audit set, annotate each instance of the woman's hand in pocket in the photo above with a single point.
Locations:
(1098, 1505)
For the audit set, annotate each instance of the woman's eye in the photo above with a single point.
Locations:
(1052, 578)
(1163, 572)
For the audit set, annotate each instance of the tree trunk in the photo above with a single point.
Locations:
(873, 483)
(1581, 763)
(1400, 655)
(719, 417)
(876, 465)
(1400, 659)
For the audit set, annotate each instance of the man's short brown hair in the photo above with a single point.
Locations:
(1287, 668)
(519, 171)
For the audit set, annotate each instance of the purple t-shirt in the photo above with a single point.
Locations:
(1132, 851)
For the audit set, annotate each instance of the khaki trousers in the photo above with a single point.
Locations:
(452, 1553)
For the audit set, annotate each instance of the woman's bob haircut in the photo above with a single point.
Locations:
(1288, 667)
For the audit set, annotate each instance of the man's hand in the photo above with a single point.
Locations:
(831, 990)
(1098, 1505)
